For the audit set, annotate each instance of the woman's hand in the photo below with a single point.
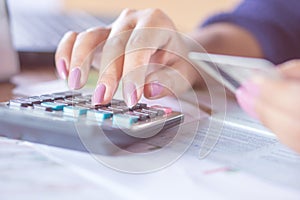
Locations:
(135, 48)
(276, 103)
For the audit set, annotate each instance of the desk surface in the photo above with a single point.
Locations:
(28, 75)
(208, 176)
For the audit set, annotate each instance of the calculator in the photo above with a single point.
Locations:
(70, 120)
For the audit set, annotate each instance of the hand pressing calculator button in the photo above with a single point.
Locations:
(69, 120)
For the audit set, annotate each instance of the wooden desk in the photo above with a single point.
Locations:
(6, 91)
(27, 76)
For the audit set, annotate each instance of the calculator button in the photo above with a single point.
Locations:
(63, 101)
(166, 110)
(139, 106)
(153, 111)
(75, 111)
(46, 98)
(117, 102)
(88, 105)
(124, 120)
(21, 102)
(83, 98)
(34, 99)
(98, 115)
(77, 100)
(68, 94)
(141, 116)
(106, 109)
(119, 108)
(70, 101)
(149, 114)
(53, 106)
(57, 96)
(39, 107)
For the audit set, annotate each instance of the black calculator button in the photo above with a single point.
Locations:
(63, 101)
(82, 99)
(47, 98)
(117, 102)
(150, 115)
(34, 99)
(141, 116)
(88, 105)
(119, 108)
(21, 102)
(68, 94)
(139, 106)
(39, 107)
(110, 110)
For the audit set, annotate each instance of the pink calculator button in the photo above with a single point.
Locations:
(167, 110)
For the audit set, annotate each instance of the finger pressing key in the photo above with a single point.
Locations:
(82, 55)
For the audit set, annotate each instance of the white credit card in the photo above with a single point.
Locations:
(233, 71)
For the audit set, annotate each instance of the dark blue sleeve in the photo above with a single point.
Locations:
(274, 23)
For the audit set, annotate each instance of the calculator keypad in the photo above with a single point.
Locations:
(74, 104)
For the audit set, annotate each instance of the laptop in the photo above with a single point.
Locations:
(36, 35)
(9, 62)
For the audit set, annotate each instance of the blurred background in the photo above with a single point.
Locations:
(37, 26)
(185, 13)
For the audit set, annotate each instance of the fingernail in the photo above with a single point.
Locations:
(246, 100)
(62, 69)
(251, 88)
(155, 89)
(130, 94)
(74, 79)
(99, 94)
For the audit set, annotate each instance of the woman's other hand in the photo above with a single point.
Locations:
(276, 102)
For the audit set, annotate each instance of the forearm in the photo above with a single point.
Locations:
(229, 39)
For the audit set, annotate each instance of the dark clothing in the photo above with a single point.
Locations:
(274, 23)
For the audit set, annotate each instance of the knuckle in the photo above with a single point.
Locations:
(157, 18)
(126, 12)
(154, 12)
(115, 42)
(66, 38)
(81, 36)
(138, 41)
(70, 34)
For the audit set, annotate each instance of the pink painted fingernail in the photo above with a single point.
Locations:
(62, 69)
(99, 94)
(246, 100)
(74, 79)
(130, 94)
(155, 89)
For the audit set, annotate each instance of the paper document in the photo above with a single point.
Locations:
(28, 174)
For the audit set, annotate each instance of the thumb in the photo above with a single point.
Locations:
(167, 81)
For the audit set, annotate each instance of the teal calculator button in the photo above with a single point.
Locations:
(125, 121)
(53, 106)
(98, 115)
(75, 111)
